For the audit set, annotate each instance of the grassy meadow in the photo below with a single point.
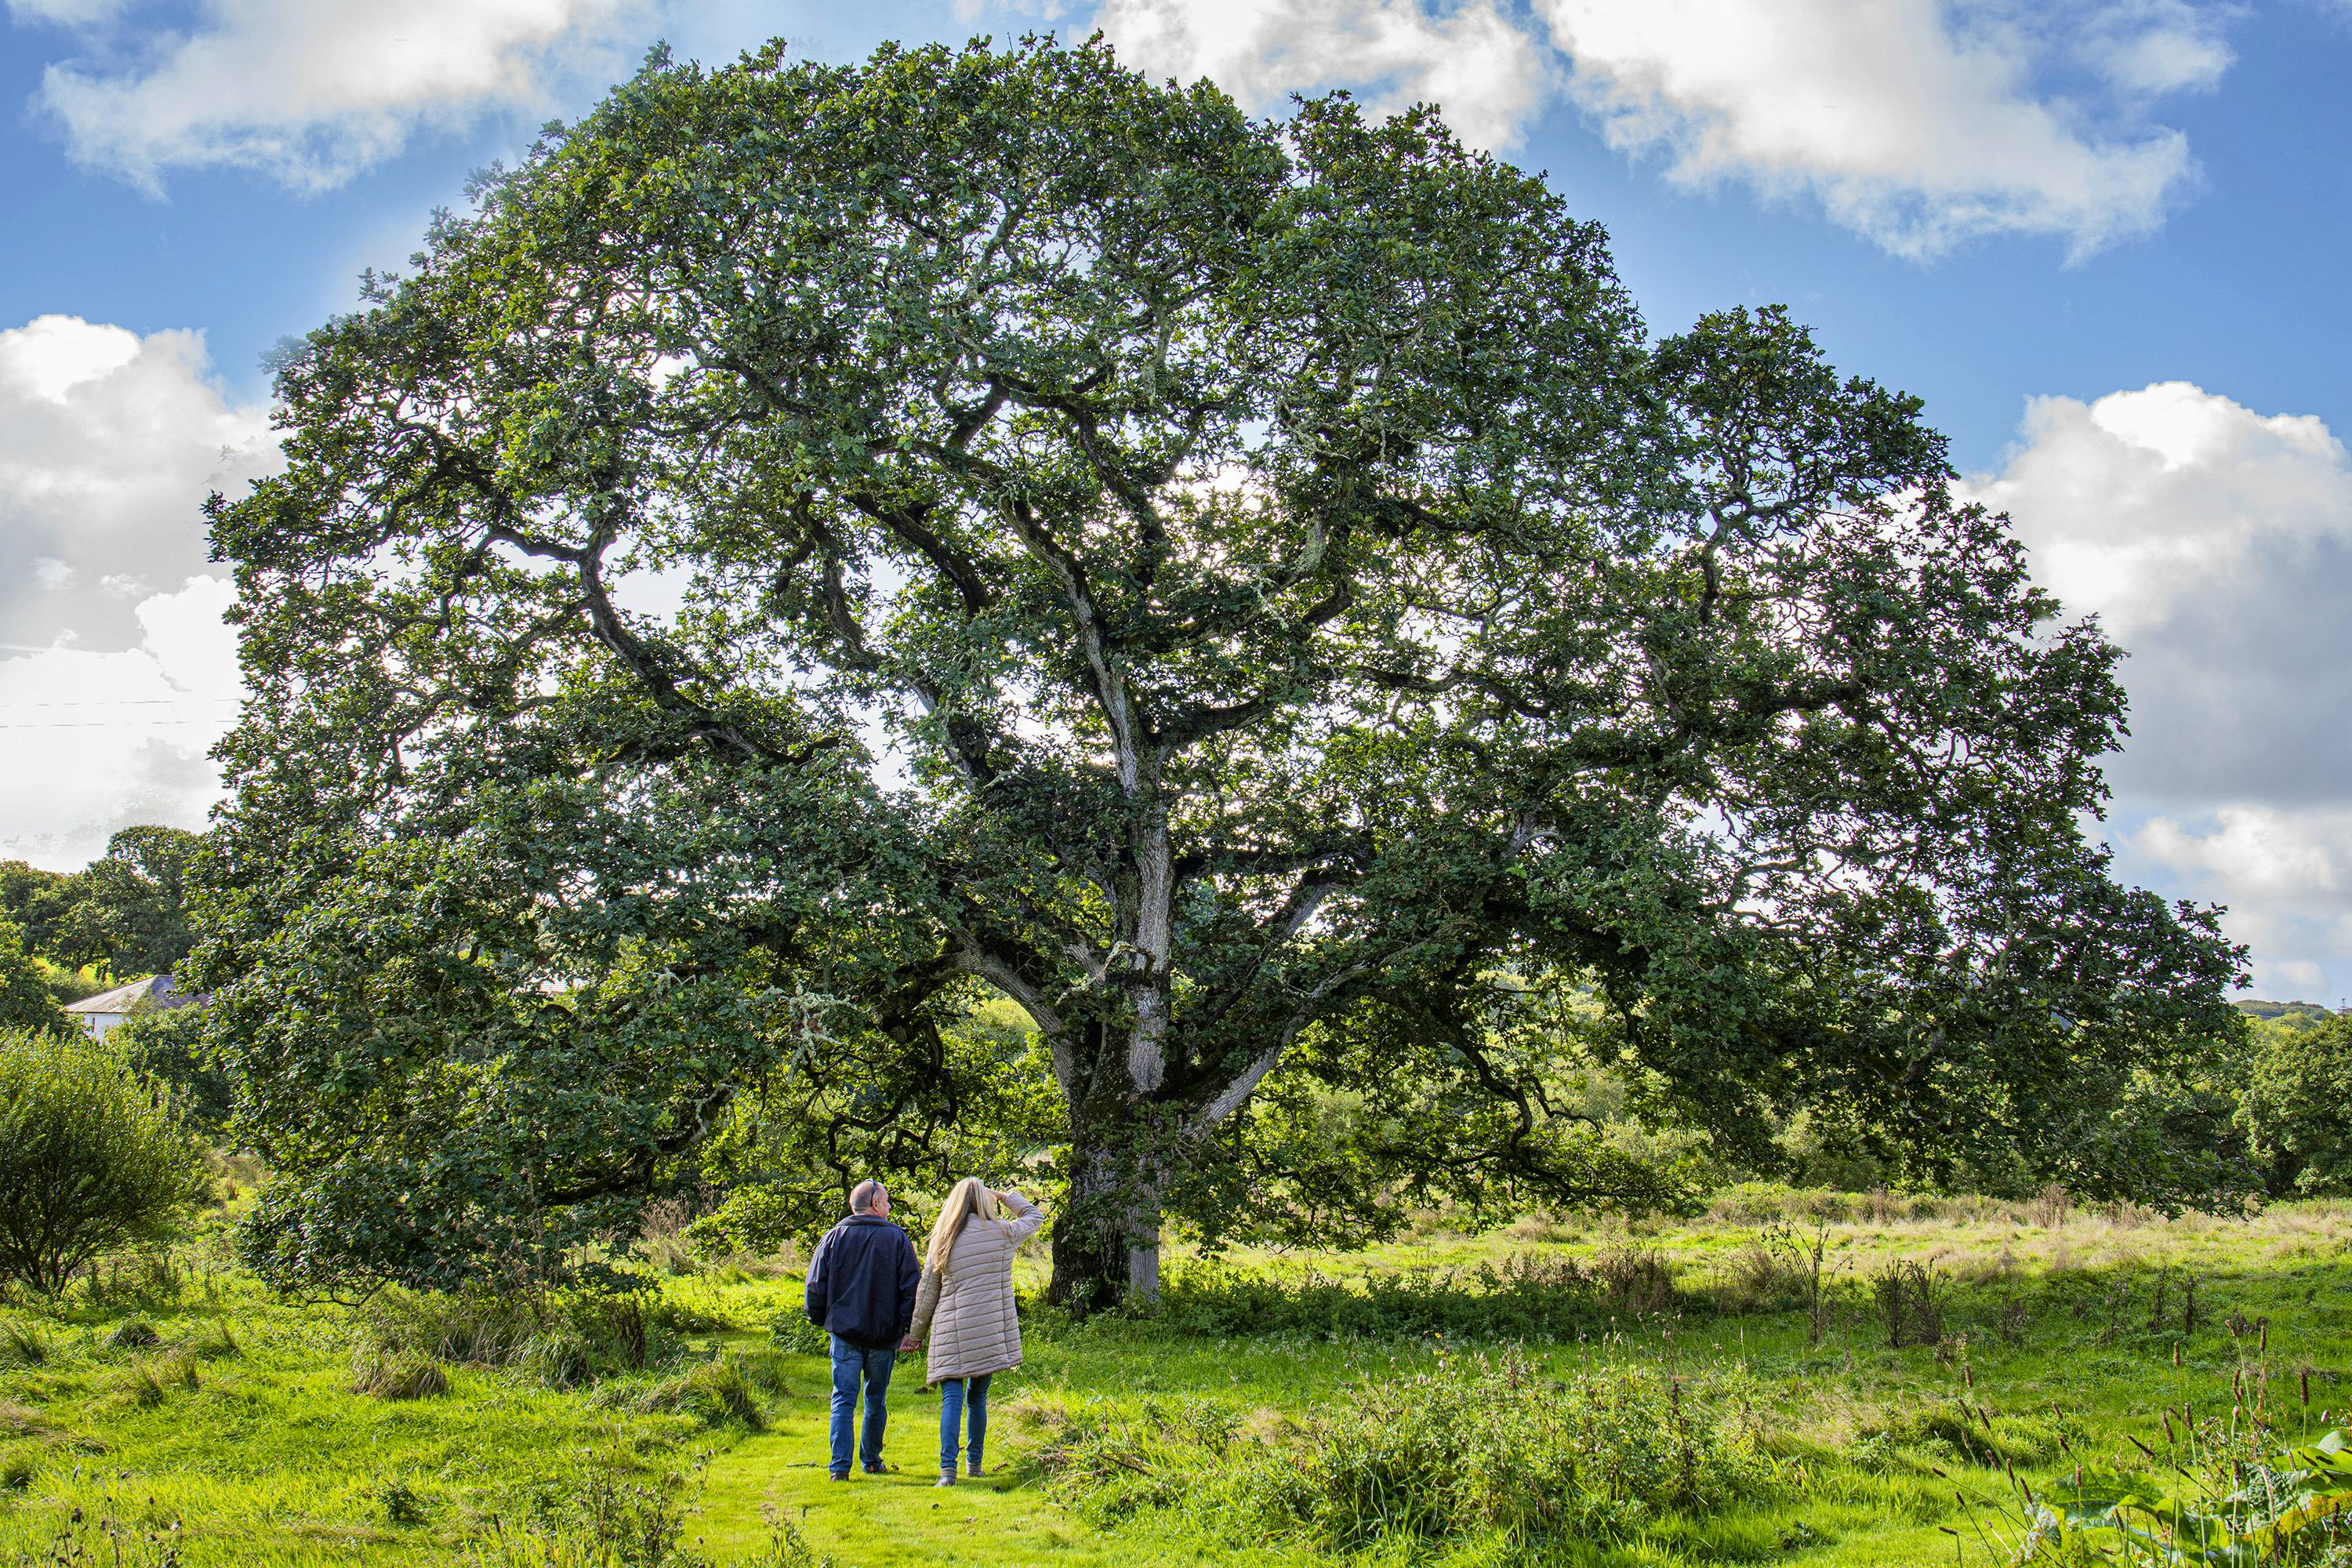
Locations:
(1715, 1391)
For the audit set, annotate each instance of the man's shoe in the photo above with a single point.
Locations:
(879, 1469)
(947, 1478)
(836, 1475)
(975, 1470)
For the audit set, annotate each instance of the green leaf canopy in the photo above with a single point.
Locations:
(813, 540)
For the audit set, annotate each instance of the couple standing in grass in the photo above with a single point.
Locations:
(866, 1289)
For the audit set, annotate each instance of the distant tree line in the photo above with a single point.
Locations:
(67, 935)
(123, 916)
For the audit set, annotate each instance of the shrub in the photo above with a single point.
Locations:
(93, 1157)
(168, 1045)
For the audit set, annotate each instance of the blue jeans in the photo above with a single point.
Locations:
(851, 1363)
(954, 1402)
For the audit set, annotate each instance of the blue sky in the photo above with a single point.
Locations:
(2103, 240)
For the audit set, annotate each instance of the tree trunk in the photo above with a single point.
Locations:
(1106, 1238)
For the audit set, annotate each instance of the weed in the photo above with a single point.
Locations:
(147, 1382)
(397, 1374)
(2050, 1205)
(2218, 1493)
(18, 1470)
(715, 1393)
(662, 1239)
(217, 1342)
(1910, 1297)
(404, 1506)
(133, 1334)
(607, 1514)
(1784, 1268)
(559, 1340)
(23, 1344)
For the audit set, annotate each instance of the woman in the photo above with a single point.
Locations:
(965, 1306)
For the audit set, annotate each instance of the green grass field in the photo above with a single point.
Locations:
(236, 1438)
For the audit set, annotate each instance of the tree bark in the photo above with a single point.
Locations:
(1106, 1237)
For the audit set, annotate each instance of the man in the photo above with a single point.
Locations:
(861, 1291)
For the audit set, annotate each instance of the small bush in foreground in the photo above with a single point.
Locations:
(93, 1157)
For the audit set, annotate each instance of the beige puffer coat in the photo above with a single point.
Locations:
(965, 1310)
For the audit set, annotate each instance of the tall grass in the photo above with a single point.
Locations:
(1519, 1298)
(1478, 1446)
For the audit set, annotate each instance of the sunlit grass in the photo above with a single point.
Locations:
(242, 1435)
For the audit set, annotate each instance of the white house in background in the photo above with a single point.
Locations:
(156, 993)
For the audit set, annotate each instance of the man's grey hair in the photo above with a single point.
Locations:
(864, 1196)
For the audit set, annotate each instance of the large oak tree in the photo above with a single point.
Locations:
(811, 540)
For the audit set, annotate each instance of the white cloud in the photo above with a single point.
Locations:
(68, 13)
(121, 674)
(312, 93)
(1915, 123)
(2146, 504)
(2215, 543)
(95, 742)
(2155, 47)
(109, 443)
(1489, 76)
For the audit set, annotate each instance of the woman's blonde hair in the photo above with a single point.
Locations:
(971, 1198)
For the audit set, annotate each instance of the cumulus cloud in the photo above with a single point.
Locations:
(1921, 124)
(108, 444)
(1918, 123)
(116, 674)
(2155, 47)
(309, 93)
(1488, 75)
(2215, 544)
(98, 741)
(70, 13)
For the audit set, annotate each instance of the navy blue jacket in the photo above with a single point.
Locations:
(861, 1283)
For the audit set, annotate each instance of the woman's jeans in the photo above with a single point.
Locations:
(954, 1402)
(852, 1364)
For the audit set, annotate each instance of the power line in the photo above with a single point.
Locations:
(98, 723)
(120, 702)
